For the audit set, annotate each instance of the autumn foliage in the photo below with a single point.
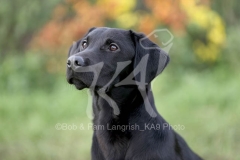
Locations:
(72, 19)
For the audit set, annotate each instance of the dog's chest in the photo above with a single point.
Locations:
(113, 142)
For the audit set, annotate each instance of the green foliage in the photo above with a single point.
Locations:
(231, 56)
(182, 55)
(229, 10)
(206, 103)
(24, 73)
(19, 20)
(28, 122)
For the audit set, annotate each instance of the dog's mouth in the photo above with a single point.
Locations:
(89, 80)
(77, 83)
(80, 80)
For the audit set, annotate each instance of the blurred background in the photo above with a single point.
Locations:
(199, 89)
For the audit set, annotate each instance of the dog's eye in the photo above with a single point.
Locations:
(113, 47)
(84, 44)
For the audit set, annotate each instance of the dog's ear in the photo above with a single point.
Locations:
(149, 58)
(91, 29)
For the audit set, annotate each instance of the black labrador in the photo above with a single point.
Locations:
(118, 66)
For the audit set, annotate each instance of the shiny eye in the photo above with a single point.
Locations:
(84, 44)
(113, 47)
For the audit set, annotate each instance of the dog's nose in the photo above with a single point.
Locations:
(78, 61)
(75, 61)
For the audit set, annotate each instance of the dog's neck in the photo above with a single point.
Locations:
(132, 112)
(128, 100)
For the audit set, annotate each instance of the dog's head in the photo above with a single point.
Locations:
(106, 56)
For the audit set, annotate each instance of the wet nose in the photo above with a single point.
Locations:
(76, 61)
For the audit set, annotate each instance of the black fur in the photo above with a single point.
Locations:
(139, 143)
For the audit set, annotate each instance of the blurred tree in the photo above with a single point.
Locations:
(71, 19)
(168, 12)
(19, 20)
(229, 10)
(206, 30)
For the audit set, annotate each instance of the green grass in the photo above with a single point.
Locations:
(207, 103)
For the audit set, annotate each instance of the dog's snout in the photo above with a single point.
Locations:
(76, 61)
(79, 61)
